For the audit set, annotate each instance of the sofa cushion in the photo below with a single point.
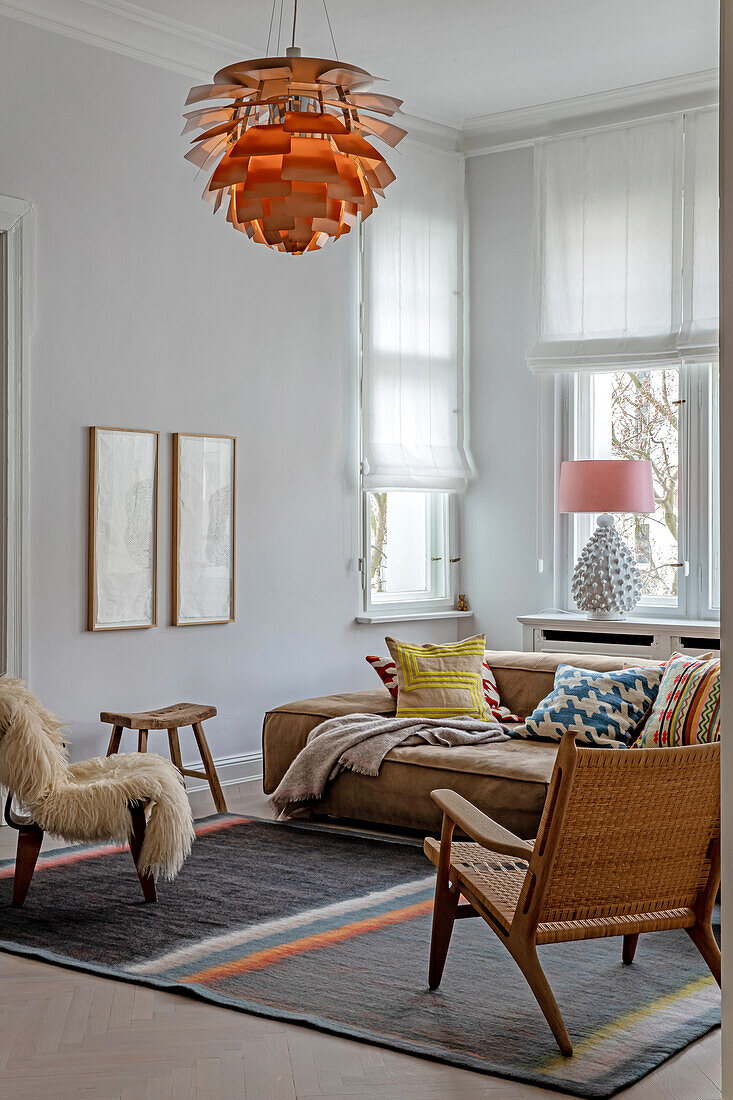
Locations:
(400, 796)
(386, 670)
(438, 681)
(687, 708)
(604, 708)
(524, 679)
(371, 701)
(530, 762)
(286, 728)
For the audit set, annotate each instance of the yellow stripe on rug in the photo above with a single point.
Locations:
(609, 1031)
(260, 959)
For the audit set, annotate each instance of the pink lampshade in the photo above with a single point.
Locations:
(606, 485)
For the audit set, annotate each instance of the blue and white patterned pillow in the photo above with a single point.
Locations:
(604, 707)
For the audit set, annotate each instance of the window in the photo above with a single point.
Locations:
(626, 301)
(414, 466)
(669, 417)
(408, 548)
(634, 414)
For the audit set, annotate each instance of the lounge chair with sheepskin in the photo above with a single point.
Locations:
(128, 796)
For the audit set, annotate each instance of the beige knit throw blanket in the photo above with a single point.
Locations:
(360, 742)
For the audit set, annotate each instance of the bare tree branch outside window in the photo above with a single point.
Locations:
(644, 426)
(378, 545)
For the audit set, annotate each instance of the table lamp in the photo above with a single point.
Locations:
(606, 582)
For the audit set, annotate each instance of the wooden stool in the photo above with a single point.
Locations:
(171, 719)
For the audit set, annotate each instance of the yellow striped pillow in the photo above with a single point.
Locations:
(437, 681)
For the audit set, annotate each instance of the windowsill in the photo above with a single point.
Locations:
(411, 616)
(640, 624)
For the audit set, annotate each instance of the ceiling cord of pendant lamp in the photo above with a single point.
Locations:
(288, 142)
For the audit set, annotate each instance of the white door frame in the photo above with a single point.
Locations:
(17, 265)
(726, 526)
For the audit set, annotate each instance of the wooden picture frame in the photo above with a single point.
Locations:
(203, 570)
(124, 477)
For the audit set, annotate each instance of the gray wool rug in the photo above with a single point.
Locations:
(330, 929)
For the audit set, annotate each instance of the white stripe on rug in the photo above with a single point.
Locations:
(254, 932)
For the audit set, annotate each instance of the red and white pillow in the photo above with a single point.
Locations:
(386, 670)
(493, 702)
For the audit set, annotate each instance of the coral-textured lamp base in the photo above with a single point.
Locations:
(606, 582)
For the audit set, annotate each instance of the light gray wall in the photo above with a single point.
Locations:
(153, 314)
(500, 553)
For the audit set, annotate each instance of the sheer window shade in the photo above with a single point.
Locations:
(412, 388)
(613, 286)
(700, 332)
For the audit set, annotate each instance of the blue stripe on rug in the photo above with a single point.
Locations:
(331, 966)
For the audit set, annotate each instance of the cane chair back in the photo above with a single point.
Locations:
(625, 832)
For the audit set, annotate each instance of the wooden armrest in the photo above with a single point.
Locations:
(480, 827)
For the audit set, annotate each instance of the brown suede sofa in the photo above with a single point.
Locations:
(508, 781)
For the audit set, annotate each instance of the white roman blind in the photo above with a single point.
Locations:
(412, 383)
(626, 263)
(609, 247)
(700, 331)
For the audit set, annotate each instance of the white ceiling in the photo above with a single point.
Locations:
(457, 61)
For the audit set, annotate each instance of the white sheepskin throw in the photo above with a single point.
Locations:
(88, 801)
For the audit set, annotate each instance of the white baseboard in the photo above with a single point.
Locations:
(233, 772)
(230, 769)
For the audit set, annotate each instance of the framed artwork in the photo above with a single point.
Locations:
(123, 529)
(204, 519)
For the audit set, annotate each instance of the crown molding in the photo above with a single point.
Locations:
(513, 129)
(127, 29)
(427, 132)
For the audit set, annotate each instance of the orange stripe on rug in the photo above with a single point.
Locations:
(260, 959)
(51, 861)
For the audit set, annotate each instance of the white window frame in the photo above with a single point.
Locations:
(696, 534)
(443, 546)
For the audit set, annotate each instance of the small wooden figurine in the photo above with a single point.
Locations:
(462, 602)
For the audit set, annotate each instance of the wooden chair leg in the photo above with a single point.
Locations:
(142, 740)
(208, 762)
(444, 916)
(137, 836)
(525, 956)
(702, 936)
(629, 948)
(114, 741)
(29, 845)
(175, 749)
(701, 932)
(444, 908)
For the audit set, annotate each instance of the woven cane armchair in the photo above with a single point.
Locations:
(629, 842)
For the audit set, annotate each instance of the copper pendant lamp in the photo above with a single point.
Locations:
(290, 146)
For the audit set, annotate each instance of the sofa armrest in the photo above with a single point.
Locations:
(480, 827)
(285, 728)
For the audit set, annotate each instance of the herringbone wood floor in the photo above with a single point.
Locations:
(66, 1034)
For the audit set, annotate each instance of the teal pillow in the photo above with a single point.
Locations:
(604, 707)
